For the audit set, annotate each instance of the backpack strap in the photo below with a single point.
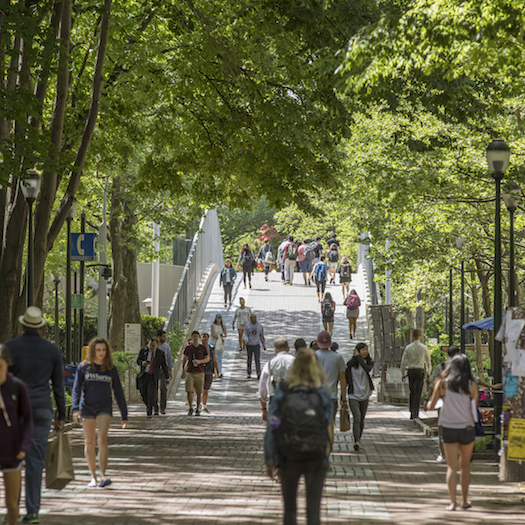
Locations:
(14, 390)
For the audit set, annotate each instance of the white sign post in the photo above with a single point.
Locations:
(132, 338)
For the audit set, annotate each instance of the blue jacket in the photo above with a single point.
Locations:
(36, 361)
(233, 275)
(274, 414)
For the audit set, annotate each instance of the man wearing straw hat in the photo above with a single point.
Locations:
(36, 362)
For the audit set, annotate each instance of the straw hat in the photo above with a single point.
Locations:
(32, 318)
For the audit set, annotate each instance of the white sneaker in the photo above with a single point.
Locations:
(440, 459)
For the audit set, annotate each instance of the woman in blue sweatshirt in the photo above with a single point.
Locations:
(92, 404)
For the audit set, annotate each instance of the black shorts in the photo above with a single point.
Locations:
(464, 436)
(208, 379)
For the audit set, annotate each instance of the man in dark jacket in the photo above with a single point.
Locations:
(36, 362)
(152, 362)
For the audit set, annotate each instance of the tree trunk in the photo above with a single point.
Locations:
(477, 333)
(484, 276)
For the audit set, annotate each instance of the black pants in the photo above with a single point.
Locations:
(255, 352)
(416, 376)
(149, 393)
(247, 270)
(314, 475)
(228, 292)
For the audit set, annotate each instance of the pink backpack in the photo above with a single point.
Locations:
(352, 302)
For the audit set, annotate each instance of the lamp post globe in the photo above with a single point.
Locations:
(30, 187)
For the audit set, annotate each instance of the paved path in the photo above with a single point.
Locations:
(209, 470)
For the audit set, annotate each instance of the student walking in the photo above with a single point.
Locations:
(345, 275)
(333, 257)
(328, 312)
(254, 338)
(92, 405)
(352, 303)
(304, 403)
(247, 259)
(241, 317)
(16, 432)
(266, 257)
(459, 392)
(211, 368)
(306, 257)
(360, 387)
(218, 334)
(227, 278)
(320, 270)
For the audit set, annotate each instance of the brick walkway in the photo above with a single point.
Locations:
(209, 470)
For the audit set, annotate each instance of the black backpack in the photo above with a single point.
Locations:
(247, 257)
(333, 256)
(303, 431)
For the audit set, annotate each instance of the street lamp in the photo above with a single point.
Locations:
(498, 155)
(511, 195)
(69, 218)
(56, 280)
(30, 187)
(459, 245)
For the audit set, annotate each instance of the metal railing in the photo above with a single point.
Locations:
(206, 249)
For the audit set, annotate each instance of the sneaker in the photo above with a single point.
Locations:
(197, 412)
(92, 484)
(225, 305)
(163, 412)
(149, 416)
(190, 412)
(205, 409)
(440, 459)
(351, 336)
(31, 518)
(357, 445)
(248, 376)
(156, 413)
(250, 285)
(258, 376)
(104, 483)
(286, 282)
(220, 376)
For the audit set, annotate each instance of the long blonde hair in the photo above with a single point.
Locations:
(305, 370)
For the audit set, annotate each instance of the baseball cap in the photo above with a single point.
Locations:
(324, 340)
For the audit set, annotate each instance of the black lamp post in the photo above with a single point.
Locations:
(511, 193)
(69, 218)
(56, 280)
(459, 245)
(498, 155)
(30, 188)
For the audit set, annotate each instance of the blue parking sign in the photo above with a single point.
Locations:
(83, 246)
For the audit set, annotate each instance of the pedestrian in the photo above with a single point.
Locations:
(299, 343)
(152, 362)
(194, 358)
(320, 271)
(360, 387)
(162, 338)
(332, 240)
(92, 404)
(218, 334)
(334, 367)
(457, 388)
(227, 279)
(328, 312)
(352, 303)
(247, 259)
(333, 257)
(266, 257)
(211, 368)
(16, 432)
(38, 362)
(274, 372)
(305, 404)
(318, 249)
(290, 255)
(280, 258)
(254, 339)
(306, 257)
(345, 275)
(241, 317)
(415, 357)
(314, 345)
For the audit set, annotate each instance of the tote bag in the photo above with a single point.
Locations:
(59, 462)
(344, 420)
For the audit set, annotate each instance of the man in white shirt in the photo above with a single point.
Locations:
(334, 367)
(415, 357)
(275, 370)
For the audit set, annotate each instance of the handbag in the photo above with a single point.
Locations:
(344, 420)
(59, 462)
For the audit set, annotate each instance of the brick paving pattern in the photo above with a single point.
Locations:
(209, 470)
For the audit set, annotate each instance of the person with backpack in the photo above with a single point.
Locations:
(328, 313)
(227, 278)
(320, 271)
(296, 439)
(266, 257)
(352, 303)
(345, 275)
(218, 334)
(247, 259)
(360, 387)
(333, 257)
(306, 257)
(16, 432)
(290, 255)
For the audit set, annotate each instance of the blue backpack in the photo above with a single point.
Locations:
(320, 271)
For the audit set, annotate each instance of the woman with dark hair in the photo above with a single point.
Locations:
(307, 382)
(227, 278)
(218, 333)
(314, 345)
(459, 392)
(352, 303)
(247, 259)
(328, 312)
(360, 387)
(92, 404)
(16, 432)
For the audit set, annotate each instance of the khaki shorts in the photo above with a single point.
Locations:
(195, 382)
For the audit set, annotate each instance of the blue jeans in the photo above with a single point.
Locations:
(219, 361)
(254, 351)
(35, 458)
